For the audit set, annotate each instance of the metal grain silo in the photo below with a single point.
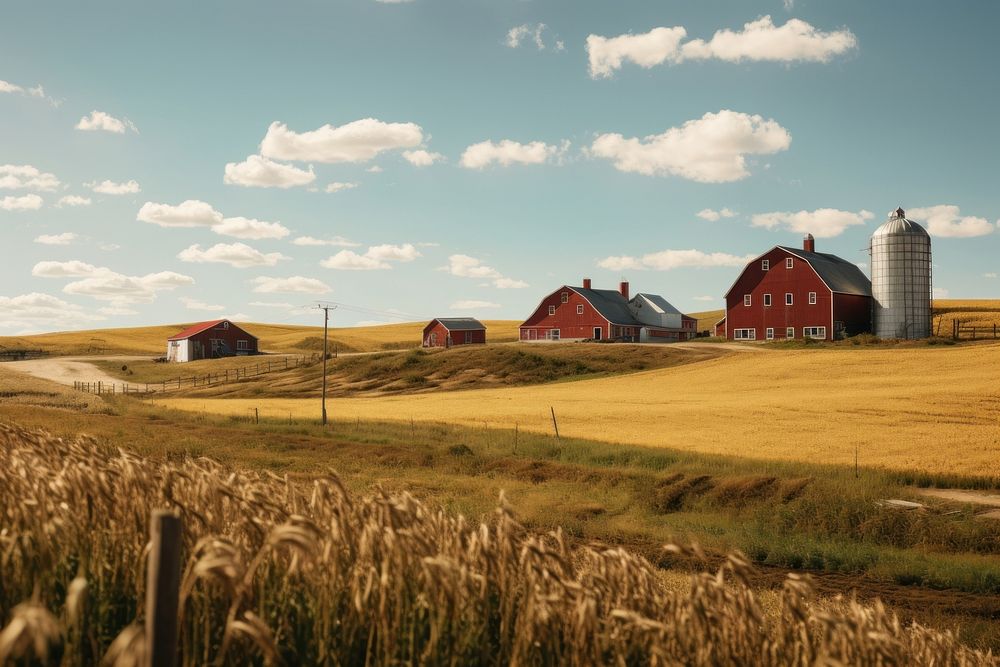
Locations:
(901, 278)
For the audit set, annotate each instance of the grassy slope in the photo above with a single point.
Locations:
(708, 318)
(929, 408)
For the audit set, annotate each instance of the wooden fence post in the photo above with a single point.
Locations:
(256, 416)
(554, 422)
(163, 580)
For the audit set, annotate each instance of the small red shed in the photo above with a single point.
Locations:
(210, 340)
(449, 331)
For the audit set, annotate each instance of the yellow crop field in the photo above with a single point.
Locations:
(927, 408)
(708, 318)
(273, 338)
(979, 313)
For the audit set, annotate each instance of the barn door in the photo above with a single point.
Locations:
(597, 332)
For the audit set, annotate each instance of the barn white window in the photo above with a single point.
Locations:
(552, 334)
(745, 334)
(552, 310)
(769, 333)
(814, 332)
(243, 345)
(788, 298)
(765, 265)
(767, 299)
(790, 332)
(789, 262)
(812, 298)
(579, 309)
(565, 297)
(746, 299)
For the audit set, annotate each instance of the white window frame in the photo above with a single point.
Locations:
(769, 333)
(767, 299)
(242, 346)
(789, 263)
(790, 332)
(747, 300)
(765, 265)
(553, 334)
(744, 334)
(579, 309)
(564, 297)
(812, 298)
(789, 299)
(817, 332)
(552, 310)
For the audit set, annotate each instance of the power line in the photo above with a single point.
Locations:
(326, 308)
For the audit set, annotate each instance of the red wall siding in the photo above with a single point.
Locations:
(457, 337)
(570, 324)
(777, 281)
(230, 336)
(441, 334)
(855, 311)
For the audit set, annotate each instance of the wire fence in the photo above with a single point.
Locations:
(228, 376)
(969, 331)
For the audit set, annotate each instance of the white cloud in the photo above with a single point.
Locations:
(472, 304)
(509, 283)
(821, 223)
(422, 158)
(26, 177)
(112, 188)
(119, 309)
(989, 275)
(947, 221)
(376, 258)
(71, 269)
(337, 186)
(38, 91)
(712, 216)
(517, 34)
(104, 284)
(506, 153)
(194, 304)
(189, 213)
(259, 172)
(706, 298)
(238, 255)
(293, 284)
(99, 120)
(338, 241)
(25, 203)
(394, 253)
(73, 200)
(374, 169)
(711, 149)
(6, 87)
(759, 40)
(940, 293)
(35, 310)
(248, 228)
(271, 304)
(56, 239)
(666, 260)
(465, 266)
(358, 141)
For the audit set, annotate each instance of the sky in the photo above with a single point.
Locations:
(194, 160)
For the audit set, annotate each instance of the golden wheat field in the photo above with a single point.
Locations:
(922, 408)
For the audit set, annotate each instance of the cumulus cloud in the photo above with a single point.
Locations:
(666, 260)
(337, 186)
(338, 241)
(376, 258)
(759, 40)
(56, 239)
(238, 255)
(946, 220)
(465, 266)
(26, 177)
(38, 91)
(71, 269)
(259, 172)
(711, 149)
(706, 298)
(248, 228)
(472, 304)
(821, 223)
(507, 152)
(99, 120)
(535, 33)
(358, 141)
(189, 213)
(195, 304)
(73, 200)
(712, 215)
(990, 275)
(104, 284)
(293, 284)
(509, 283)
(25, 203)
(112, 188)
(36, 310)
(422, 158)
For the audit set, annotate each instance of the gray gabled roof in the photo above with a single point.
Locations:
(461, 323)
(839, 274)
(610, 304)
(659, 302)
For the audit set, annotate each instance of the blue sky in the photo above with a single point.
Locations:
(478, 153)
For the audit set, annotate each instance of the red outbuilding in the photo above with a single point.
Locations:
(210, 340)
(584, 313)
(449, 331)
(792, 293)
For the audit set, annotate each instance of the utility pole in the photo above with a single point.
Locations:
(326, 325)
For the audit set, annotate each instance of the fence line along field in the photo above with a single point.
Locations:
(920, 408)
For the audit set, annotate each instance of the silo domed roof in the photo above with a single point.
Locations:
(898, 224)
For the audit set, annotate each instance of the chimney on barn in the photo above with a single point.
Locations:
(623, 288)
(586, 283)
(809, 243)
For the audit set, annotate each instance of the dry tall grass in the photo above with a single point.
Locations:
(279, 572)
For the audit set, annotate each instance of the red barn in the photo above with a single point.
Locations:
(792, 293)
(210, 340)
(584, 313)
(448, 331)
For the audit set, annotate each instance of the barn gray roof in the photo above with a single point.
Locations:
(839, 274)
(461, 323)
(610, 304)
(660, 303)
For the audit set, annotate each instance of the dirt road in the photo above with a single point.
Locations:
(66, 370)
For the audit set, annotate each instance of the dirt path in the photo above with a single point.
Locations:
(972, 497)
(66, 370)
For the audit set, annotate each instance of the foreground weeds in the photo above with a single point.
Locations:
(284, 573)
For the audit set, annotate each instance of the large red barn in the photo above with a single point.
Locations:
(210, 340)
(584, 313)
(793, 293)
(449, 331)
